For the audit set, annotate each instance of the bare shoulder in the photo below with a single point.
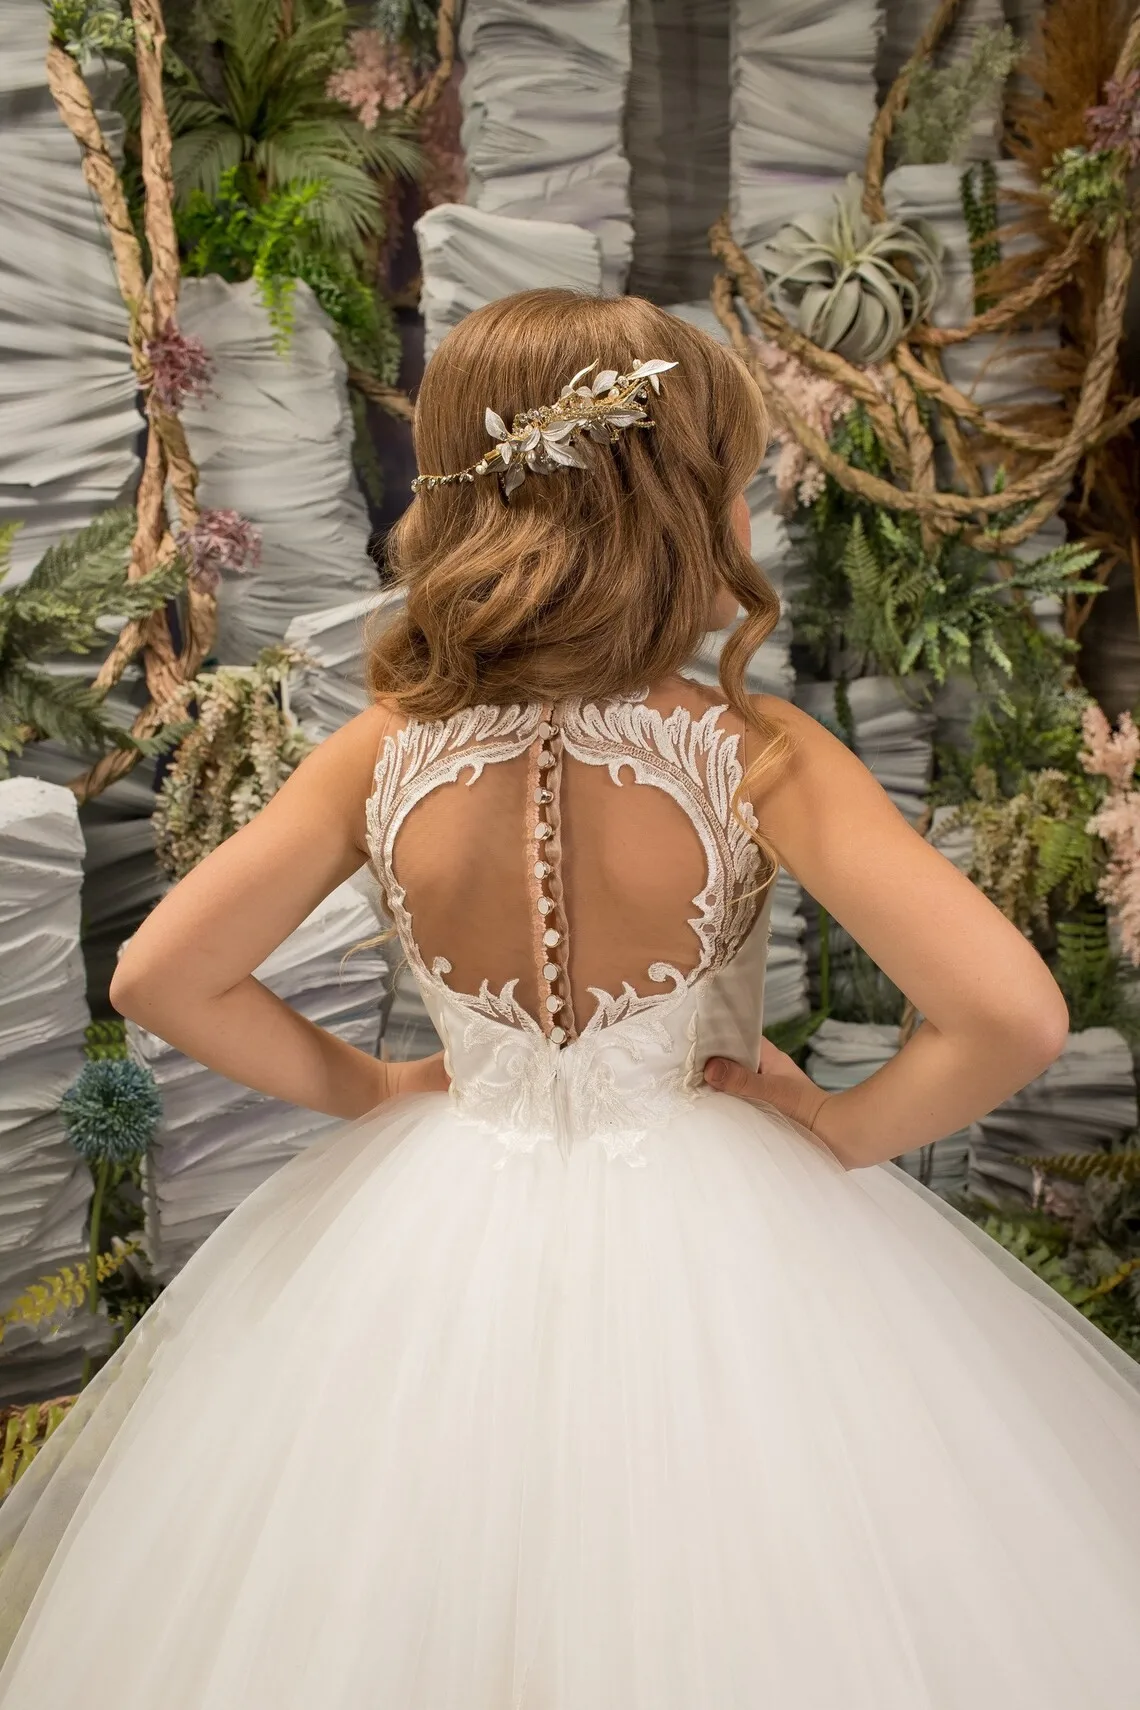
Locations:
(337, 775)
(809, 751)
(817, 788)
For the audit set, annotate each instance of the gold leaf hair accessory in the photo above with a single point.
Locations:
(543, 440)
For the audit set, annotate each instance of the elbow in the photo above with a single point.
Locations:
(1039, 1034)
(132, 988)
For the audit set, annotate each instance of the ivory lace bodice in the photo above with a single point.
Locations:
(553, 859)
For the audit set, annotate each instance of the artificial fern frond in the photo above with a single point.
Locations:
(1069, 859)
(64, 1290)
(1087, 970)
(55, 709)
(60, 609)
(96, 553)
(1024, 1242)
(23, 1432)
(1085, 1166)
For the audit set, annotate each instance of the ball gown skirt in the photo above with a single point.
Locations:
(732, 1430)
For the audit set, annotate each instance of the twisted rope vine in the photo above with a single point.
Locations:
(151, 307)
(915, 369)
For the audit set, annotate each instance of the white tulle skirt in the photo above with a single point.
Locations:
(737, 1430)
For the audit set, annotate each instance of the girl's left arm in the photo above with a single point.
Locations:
(187, 974)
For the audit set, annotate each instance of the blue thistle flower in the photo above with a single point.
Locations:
(111, 1111)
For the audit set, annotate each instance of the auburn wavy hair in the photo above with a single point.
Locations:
(583, 583)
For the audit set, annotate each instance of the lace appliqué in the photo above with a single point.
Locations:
(412, 763)
(627, 1070)
(696, 762)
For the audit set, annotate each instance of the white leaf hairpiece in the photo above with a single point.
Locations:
(547, 439)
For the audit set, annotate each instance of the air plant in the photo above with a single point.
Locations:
(850, 283)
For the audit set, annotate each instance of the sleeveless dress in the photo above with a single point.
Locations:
(584, 1387)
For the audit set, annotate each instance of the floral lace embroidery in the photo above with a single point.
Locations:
(529, 1083)
(412, 763)
(695, 761)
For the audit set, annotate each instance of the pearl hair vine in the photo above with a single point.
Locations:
(543, 441)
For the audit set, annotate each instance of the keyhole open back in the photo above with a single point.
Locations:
(570, 853)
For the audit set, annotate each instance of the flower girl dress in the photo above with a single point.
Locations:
(585, 1387)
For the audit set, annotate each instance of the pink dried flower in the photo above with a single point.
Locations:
(1113, 755)
(1118, 822)
(380, 78)
(1116, 124)
(181, 367)
(219, 540)
(1108, 753)
(822, 403)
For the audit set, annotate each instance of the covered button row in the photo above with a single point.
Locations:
(543, 870)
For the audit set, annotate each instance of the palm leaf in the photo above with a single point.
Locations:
(349, 208)
(200, 159)
(190, 110)
(248, 31)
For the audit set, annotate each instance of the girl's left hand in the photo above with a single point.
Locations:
(779, 1082)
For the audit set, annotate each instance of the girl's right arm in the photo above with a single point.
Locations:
(993, 1015)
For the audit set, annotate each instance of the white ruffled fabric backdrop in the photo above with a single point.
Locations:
(69, 421)
(45, 1188)
(273, 441)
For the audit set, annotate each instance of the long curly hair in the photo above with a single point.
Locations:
(584, 583)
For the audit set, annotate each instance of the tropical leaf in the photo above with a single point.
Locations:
(268, 111)
(201, 159)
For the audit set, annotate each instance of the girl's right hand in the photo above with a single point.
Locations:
(417, 1075)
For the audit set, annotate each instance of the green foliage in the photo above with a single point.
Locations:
(980, 210)
(1033, 724)
(1121, 1166)
(857, 443)
(874, 586)
(942, 102)
(255, 102)
(105, 1041)
(63, 607)
(1088, 971)
(793, 1035)
(277, 241)
(860, 991)
(844, 712)
(65, 1290)
(1087, 184)
(1032, 855)
(1083, 1236)
(1042, 1248)
(232, 762)
(23, 1432)
(84, 28)
(1069, 858)
(365, 460)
